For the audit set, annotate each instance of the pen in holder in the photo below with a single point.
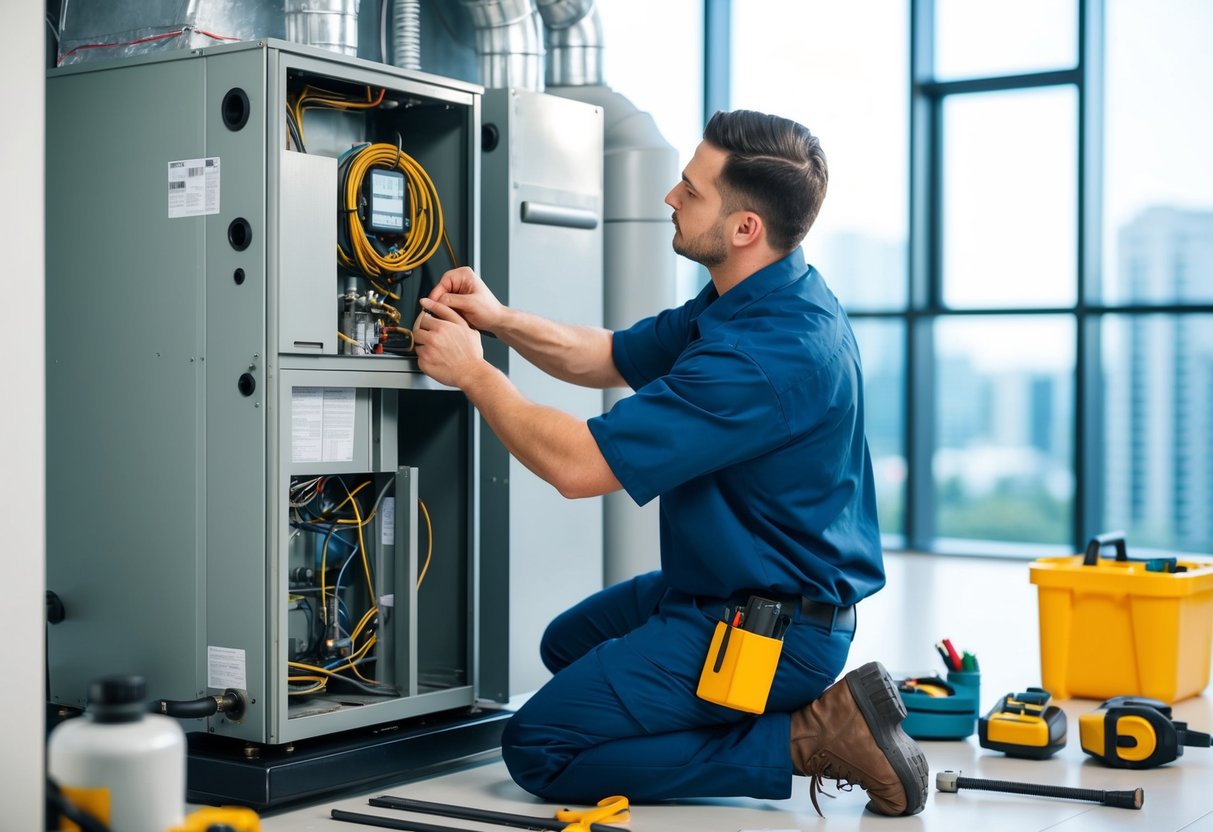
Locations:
(743, 657)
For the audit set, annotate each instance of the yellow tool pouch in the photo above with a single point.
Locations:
(739, 669)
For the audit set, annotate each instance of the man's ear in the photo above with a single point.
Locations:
(749, 229)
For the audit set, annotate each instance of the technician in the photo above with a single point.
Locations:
(747, 421)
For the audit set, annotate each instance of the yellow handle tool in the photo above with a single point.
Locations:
(612, 809)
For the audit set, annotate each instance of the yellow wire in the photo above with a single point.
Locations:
(360, 652)
(429, 549)
(450, 250)
(326, 672)
(331, 100)
(324, 553)
(426, 223)
(366, 618)
(366, 563)
(383, 291)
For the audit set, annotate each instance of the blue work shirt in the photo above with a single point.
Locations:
(747, 421)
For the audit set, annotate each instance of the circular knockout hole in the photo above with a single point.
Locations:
(235, 108)
(240, 233)
(247, 384)
(489, 138)
(238, 276)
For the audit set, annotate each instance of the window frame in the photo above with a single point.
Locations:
(924, 246)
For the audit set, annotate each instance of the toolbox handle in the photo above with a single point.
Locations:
(1097, 543)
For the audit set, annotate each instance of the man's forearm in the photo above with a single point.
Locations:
(576, 354)
(556, 446)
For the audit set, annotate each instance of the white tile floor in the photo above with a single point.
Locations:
(986, 606)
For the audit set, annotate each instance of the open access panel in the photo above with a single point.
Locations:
(254, 490)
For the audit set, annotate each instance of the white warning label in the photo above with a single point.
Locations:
(193, 187)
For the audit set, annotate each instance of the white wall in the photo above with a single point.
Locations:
(22, 412)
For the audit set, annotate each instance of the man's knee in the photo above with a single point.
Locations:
(529, 759)
(550, 653)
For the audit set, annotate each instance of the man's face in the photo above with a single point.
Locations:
(699, 231)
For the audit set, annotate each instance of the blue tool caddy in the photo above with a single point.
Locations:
(951, 717)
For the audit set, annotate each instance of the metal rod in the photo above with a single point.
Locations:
(951, 781)
(408, 804)
(392, 823)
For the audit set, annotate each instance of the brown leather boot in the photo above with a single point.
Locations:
(853, 734)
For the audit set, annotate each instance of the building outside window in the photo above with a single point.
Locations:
(1020, 224)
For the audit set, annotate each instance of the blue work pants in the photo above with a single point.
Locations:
(620, 715)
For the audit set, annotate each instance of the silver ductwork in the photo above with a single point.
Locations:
(328, 24)
(102, 29)
(573, 35)
(509, 43)
(406, 33)
(639, 264)
(557, 14)
(639, 280)
(97, 29)
(511, 36)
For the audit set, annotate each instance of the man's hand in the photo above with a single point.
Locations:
(448, 350)
(463, 291)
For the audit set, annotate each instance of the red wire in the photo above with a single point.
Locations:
(147, 39)
(214, 36)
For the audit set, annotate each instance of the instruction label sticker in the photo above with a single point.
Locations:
(387, 522)
(193, 187)
(322, 424)
(225, 667)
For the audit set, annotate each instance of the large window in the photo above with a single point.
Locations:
(1008, 232)
(1156, 447)
(1020, 223)
(653, 54)
(841, 70)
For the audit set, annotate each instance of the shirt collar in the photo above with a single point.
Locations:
(755, 287)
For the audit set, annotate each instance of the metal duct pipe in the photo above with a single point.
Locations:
(573, 33)
(638, 280)
(639, 165)
(509, 43)
(329, 24)
(406, 33)
(557, 14)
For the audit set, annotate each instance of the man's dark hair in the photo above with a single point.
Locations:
(776, 168)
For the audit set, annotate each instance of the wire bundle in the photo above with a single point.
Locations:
(311, 512)
(315, 98)
(384, 256)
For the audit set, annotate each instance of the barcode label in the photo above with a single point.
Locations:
(193, 187)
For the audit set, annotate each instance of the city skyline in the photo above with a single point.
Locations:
(1008, 426)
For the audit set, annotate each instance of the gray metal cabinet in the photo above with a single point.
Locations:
(196, 381)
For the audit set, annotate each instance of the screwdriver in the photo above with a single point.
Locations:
(951, 781)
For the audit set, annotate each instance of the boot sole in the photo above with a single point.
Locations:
(878, 700)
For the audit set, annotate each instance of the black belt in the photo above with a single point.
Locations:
(827, 616)
(818, 613)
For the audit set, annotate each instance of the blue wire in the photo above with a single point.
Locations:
(332, 530)
(337, 589)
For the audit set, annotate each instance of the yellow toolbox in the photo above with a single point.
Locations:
(1124, 626)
